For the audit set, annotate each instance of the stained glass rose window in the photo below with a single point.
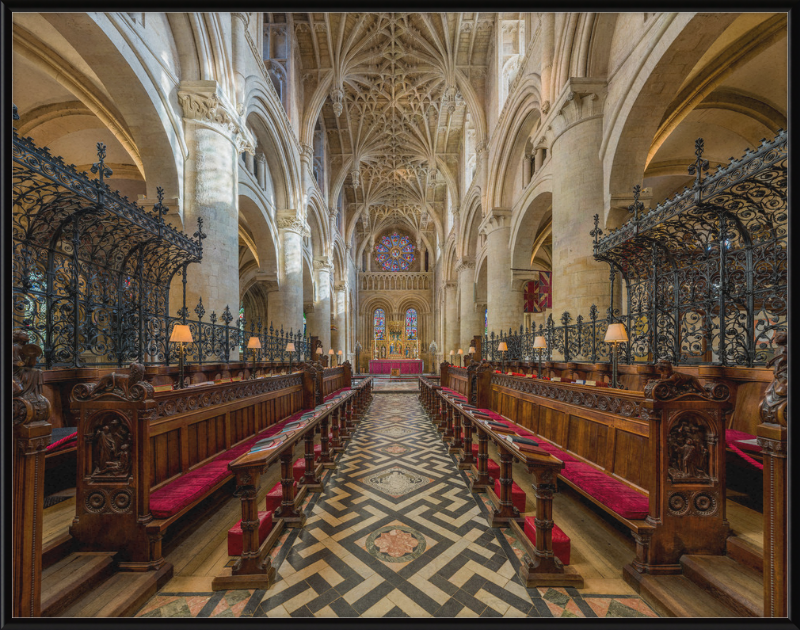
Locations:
(394, 253)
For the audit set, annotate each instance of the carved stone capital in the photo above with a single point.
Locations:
(203, 103)
(308, 307)
(323, 264)
(465, 264)
(581, 100)
(261, 158)
(288, 220)
(495, 219)
(306, 152)
(340, 286)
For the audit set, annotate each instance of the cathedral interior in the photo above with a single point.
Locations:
(447, 315)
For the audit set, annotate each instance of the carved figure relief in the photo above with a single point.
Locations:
(688, 452)
(111, 449)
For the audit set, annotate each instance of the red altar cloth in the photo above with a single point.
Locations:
(384, 366)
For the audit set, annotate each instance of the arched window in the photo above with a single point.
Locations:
(486, 322)
(411, 324)
(379, 324)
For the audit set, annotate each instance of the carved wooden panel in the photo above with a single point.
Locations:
(553, 425)
(631, 461)
(588, 439)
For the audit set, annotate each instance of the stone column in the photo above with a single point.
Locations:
(578, 280)
(286, 306)
(471, 321)
(319, 323)
(451, 332)
(215, 135)
(261, 171)
(307, 165)
(369, 253)
(497, 227)
(239, 46)
(339, 336)
(538, 158)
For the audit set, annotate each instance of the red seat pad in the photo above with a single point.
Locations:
(235, 538)
(274, 497)
(172, 498)
(733, 436)
(517, 494)
(615, 495)
(299, 468)
(561, 544)
(492, 467)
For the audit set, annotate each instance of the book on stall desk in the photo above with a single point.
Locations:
(529, 448)
(523, 440)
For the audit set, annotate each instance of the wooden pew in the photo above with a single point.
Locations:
(31, 435)
(635, 441)
(772, 437)
(253, 569)
(146, 459)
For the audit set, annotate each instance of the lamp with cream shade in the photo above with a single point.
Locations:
(471, 353)
(539, 344)
(290, 350)
(452, 352)
(181, 334)
(503, 347)
(615, 334)
(254, 343)
(331, 354)
(460, 357)
(339, 354)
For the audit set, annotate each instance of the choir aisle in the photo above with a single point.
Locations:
(396, 533)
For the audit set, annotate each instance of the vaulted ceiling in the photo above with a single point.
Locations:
(395, 114)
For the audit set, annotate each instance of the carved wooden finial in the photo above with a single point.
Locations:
(774, 406)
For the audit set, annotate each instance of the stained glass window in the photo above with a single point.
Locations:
(379, 323)
(411, 324)
(394, 252)
(486, 322)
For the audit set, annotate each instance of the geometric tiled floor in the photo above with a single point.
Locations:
(396, 533)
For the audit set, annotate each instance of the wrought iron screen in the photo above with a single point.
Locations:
(91, 271)
(705, 273)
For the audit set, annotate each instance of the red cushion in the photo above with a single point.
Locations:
(561, 544)
(274, 497)
(517, 494)
(731, 435)
(299, 468)
(492, 467)
(615, 495)
(235, 538)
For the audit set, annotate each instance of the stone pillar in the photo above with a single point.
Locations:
(526, 170)
(578, 280)
(215, 135)
(538, 157)
(497, 227)
(339, 336)
(307, 165)
(319, 323)
(239, 45)
(451, 332)
(471, 320)
(250, 163)
(370, 252)
(261, 171)
(548, 49)
(286, 306)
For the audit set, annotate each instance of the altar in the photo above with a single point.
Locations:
(405, 366)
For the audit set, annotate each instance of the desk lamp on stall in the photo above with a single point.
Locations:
(290, 350)
(181, 335)
(254, 343)
(503, 347)
(539, 344)
(615, 334)
(460, 357)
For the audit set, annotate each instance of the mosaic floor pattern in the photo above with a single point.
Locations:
(396, 533)
(394, 385)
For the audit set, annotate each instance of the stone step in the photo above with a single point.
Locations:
(69, 578)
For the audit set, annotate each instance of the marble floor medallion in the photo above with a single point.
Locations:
(396, 543)
(395, 432)
(394, 449)
(396, 481)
